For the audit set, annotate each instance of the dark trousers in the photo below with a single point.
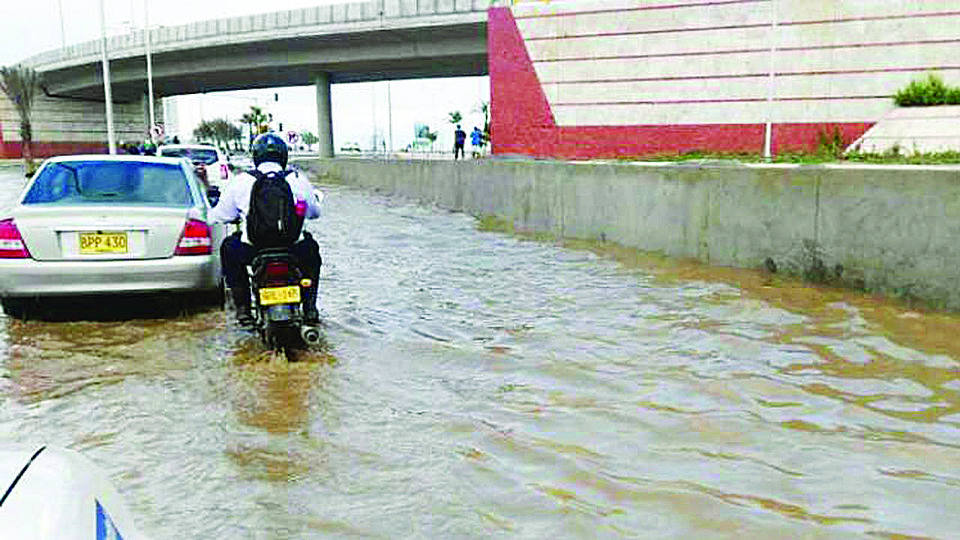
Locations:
(458, 150)
(236, 255)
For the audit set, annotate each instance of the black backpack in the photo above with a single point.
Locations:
(272, 219)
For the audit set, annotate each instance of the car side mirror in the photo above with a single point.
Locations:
(213, 195)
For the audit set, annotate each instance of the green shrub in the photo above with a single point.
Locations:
(830, 144)
(927, 92)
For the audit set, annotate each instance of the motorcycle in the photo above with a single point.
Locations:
(278, 287)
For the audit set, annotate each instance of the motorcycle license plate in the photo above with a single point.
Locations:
(103, 242)
(279, 295)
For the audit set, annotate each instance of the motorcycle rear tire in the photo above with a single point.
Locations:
(282, 337)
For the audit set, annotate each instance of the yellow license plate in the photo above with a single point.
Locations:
(280, 295)
(103, 242)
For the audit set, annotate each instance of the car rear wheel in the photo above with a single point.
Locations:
(216, 297)
(14, 307)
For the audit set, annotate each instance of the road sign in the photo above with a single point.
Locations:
(157, 130)
(293, 137)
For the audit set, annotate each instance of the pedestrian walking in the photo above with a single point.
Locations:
(476, 140)
(459, 138)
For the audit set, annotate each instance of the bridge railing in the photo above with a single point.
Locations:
(232, 29)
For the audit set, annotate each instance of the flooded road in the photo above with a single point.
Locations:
(474, 384)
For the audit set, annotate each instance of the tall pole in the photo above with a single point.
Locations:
(107, 97)
(389, 118)
(146, 25)
(63, 33)
(373, 122)
(771, 83)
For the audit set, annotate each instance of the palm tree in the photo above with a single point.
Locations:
(484, 108)
(310, 139)
(21, 85)
(432, 137)
(247, 120)
(258, 121)
(423, 132)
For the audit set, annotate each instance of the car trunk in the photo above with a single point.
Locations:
(53, 233)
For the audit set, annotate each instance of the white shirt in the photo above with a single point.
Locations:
(235, 199)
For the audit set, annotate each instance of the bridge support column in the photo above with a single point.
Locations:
(324, 115)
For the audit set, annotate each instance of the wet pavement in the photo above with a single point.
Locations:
(474, 384)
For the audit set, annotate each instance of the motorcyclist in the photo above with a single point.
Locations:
(236, 253)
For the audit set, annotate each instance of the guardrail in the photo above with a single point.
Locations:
(234, 29)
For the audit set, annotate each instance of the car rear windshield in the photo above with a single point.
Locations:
(207, 156)
(110, 182)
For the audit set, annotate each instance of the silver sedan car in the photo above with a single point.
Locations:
(109, 225)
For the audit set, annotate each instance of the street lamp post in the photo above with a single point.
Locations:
(771, 84)
(107, 96)
(389, 118)
(63, 33)
(146, 25)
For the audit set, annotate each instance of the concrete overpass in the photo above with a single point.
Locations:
(369, 41)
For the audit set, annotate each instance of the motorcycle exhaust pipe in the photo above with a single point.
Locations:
(310, 334)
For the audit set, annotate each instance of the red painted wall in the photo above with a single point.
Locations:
(522, 122)
(40, 150)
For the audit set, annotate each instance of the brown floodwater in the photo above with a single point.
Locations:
(476, 384)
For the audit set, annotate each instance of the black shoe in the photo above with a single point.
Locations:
(246, 319)
(241, 305)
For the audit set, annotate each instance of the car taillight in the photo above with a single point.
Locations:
(195, 239)
(11, 244)
(224, 171)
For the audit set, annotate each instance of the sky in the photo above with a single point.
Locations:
(359, 110)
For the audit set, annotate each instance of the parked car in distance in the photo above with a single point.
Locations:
(217, 164)
(102, 225)
(350, 148)
(241, 162)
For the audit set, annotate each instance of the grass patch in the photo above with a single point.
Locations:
(497, 224)
(830, 153)
(894, 157)
(491, 223)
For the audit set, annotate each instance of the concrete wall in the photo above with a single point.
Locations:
(641, 77)
(914, 130)
(891, 230)
(64, 126)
